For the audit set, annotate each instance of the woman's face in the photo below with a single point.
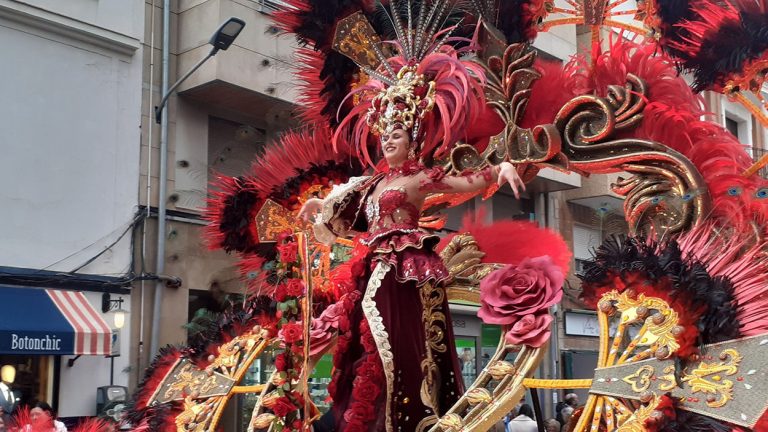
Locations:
(39, 417)
(395, 146)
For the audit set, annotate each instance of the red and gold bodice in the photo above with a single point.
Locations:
(390, 212)
(394, 236)
(388, 225)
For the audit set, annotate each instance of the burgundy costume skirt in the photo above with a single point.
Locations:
(396, 367)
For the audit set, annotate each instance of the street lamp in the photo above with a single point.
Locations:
(116, 308)
(221, 40)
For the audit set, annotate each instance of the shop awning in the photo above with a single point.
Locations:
(50, 322)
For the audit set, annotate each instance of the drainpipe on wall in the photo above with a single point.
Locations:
(162, 185)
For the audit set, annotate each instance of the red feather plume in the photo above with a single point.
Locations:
(495, 239)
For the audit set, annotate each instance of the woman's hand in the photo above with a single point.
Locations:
(310, 208)
(508, 174)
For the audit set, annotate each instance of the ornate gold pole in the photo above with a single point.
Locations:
(306, 318)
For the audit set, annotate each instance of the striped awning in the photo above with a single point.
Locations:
(50, 322)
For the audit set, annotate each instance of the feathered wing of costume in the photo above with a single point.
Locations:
(248, 215)
(705, 283)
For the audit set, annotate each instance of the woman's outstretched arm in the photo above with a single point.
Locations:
(474, 181)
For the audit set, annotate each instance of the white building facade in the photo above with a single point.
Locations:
(69, 166)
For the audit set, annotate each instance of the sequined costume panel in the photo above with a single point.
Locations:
(394, 237)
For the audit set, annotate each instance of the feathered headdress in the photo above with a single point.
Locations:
(453, 98)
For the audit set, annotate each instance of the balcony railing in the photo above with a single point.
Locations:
(758, 153)
(269, 6)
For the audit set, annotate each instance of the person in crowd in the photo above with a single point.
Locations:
(571, 403)
(552, 425)
(524, 422)
(43, 419)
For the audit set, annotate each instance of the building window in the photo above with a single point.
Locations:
(585, 241)
(732, 126)
(738, 121)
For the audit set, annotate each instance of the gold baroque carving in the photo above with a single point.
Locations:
(640, 380)
(665, 193)
(709, 378)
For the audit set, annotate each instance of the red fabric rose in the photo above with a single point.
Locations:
(280, 362)
(531, 330)
(297, 349)
(514, 291)
(291, 333)
(295, 288)
(283, 407)
(359, 412)
(289, 252)
(365, 390)
(281, 291)
(369, 344)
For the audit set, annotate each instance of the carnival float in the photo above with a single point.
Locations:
(414, 106)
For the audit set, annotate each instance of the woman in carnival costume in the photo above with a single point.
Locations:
(396, 365)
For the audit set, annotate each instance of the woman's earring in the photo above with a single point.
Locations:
(412, 153)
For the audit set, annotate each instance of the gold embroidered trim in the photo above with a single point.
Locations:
(434, 332)
(425, 423)
(434, 319)
(380, 335)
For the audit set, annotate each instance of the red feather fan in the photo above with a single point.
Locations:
(510, 241)
(672, 116)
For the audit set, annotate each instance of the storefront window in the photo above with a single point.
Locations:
(489, 342)
(318, 382)
(31, 377)
(465, 349)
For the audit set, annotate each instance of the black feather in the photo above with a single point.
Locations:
(689, 279)
(236, 218)
(692, 422)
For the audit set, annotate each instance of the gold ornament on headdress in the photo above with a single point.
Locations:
(403, 103)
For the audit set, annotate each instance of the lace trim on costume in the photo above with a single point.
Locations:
(395, 229)
(340, 196)
(436, 179)
(380, 335)
(436, 277)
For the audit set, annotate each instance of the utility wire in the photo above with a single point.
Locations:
(136, 220)
(130, 224)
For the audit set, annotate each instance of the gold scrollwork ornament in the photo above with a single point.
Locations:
(709, 378)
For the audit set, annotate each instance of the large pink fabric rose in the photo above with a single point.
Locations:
(531, 330)
(514, 291)
(324, 328)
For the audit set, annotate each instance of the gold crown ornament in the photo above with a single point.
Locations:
(403, 103)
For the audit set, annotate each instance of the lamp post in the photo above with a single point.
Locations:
(221, 40)
(115, 308)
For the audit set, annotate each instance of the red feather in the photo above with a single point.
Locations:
(95, 425)
(510, 241)
(155, 374)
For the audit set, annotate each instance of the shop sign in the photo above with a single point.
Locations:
(581, 324)
(16, 342)
(115, 343)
